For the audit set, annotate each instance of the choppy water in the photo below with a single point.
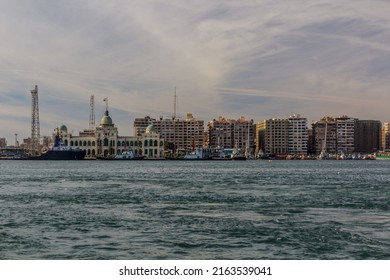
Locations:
(195, 210)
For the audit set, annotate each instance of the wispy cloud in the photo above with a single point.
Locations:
(255, 58)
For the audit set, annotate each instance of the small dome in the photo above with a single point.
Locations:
(63, 128)
(106, 120)
(150, 129)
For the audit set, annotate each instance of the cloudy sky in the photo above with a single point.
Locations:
(253, 58)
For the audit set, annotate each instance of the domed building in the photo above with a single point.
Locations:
(153, 145)
(106, 136)
(105, 142)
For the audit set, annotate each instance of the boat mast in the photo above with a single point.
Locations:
(174, 120)
(324, 142)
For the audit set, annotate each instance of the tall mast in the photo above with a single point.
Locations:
(174, 120)
(174, 105)
(92, 113)
(106, 100)
(324, 142)
(35, 131)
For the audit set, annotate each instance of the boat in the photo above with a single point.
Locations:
(127, 155)
(60, 152)
(236, 155)
(382, 156)
(199, 154)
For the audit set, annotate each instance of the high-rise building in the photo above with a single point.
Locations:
(232, 134)
(185, 134)
(297, 135)
(325, 135)
(386, 137)
(272, 136)
(220, 133)
(140, 124)
(367, 136)
(345, 135)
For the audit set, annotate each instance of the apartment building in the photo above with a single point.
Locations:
(232, 134)
(297, 135)
(345, 135)
(185, 134)
(272, 136)
(386, 137)
(325, 135)
(368, 136)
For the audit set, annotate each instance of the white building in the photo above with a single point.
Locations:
(345, 135)
(105, 142)
(297, 135)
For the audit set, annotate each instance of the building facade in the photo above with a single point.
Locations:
(297, 135)
(181, 134)
(272, 136)
(345, 135)
(325, 135)
(368, 136)
(105, 142)
(386, 137)
(232, 134)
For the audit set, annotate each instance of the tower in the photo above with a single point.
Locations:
(35, 133)
(92, 113)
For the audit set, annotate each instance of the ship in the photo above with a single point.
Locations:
(383, 156)
(59, 151)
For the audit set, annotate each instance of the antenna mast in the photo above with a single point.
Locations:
(174, 120)
(106, 100)
(92, 113)
(35, 131)
(174, 105)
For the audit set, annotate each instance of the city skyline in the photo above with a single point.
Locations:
(259, 59)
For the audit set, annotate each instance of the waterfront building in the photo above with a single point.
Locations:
(272, 136)
(345, 135)
(232, 134)
(152, 144)
(104, 141)
(386, 137)
(181, 134)
(311, 148)
(367, 136)
(325, 135)
(220, 133)
(3, 143)
(140, 124)
(297, 135)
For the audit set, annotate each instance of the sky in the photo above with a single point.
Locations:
(255, 58)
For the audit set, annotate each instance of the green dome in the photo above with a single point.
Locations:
(150, 129)
(106, 120)
(63, 128)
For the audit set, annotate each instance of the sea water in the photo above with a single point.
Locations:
(195, 210)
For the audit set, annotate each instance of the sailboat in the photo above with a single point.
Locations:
(324, 154)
